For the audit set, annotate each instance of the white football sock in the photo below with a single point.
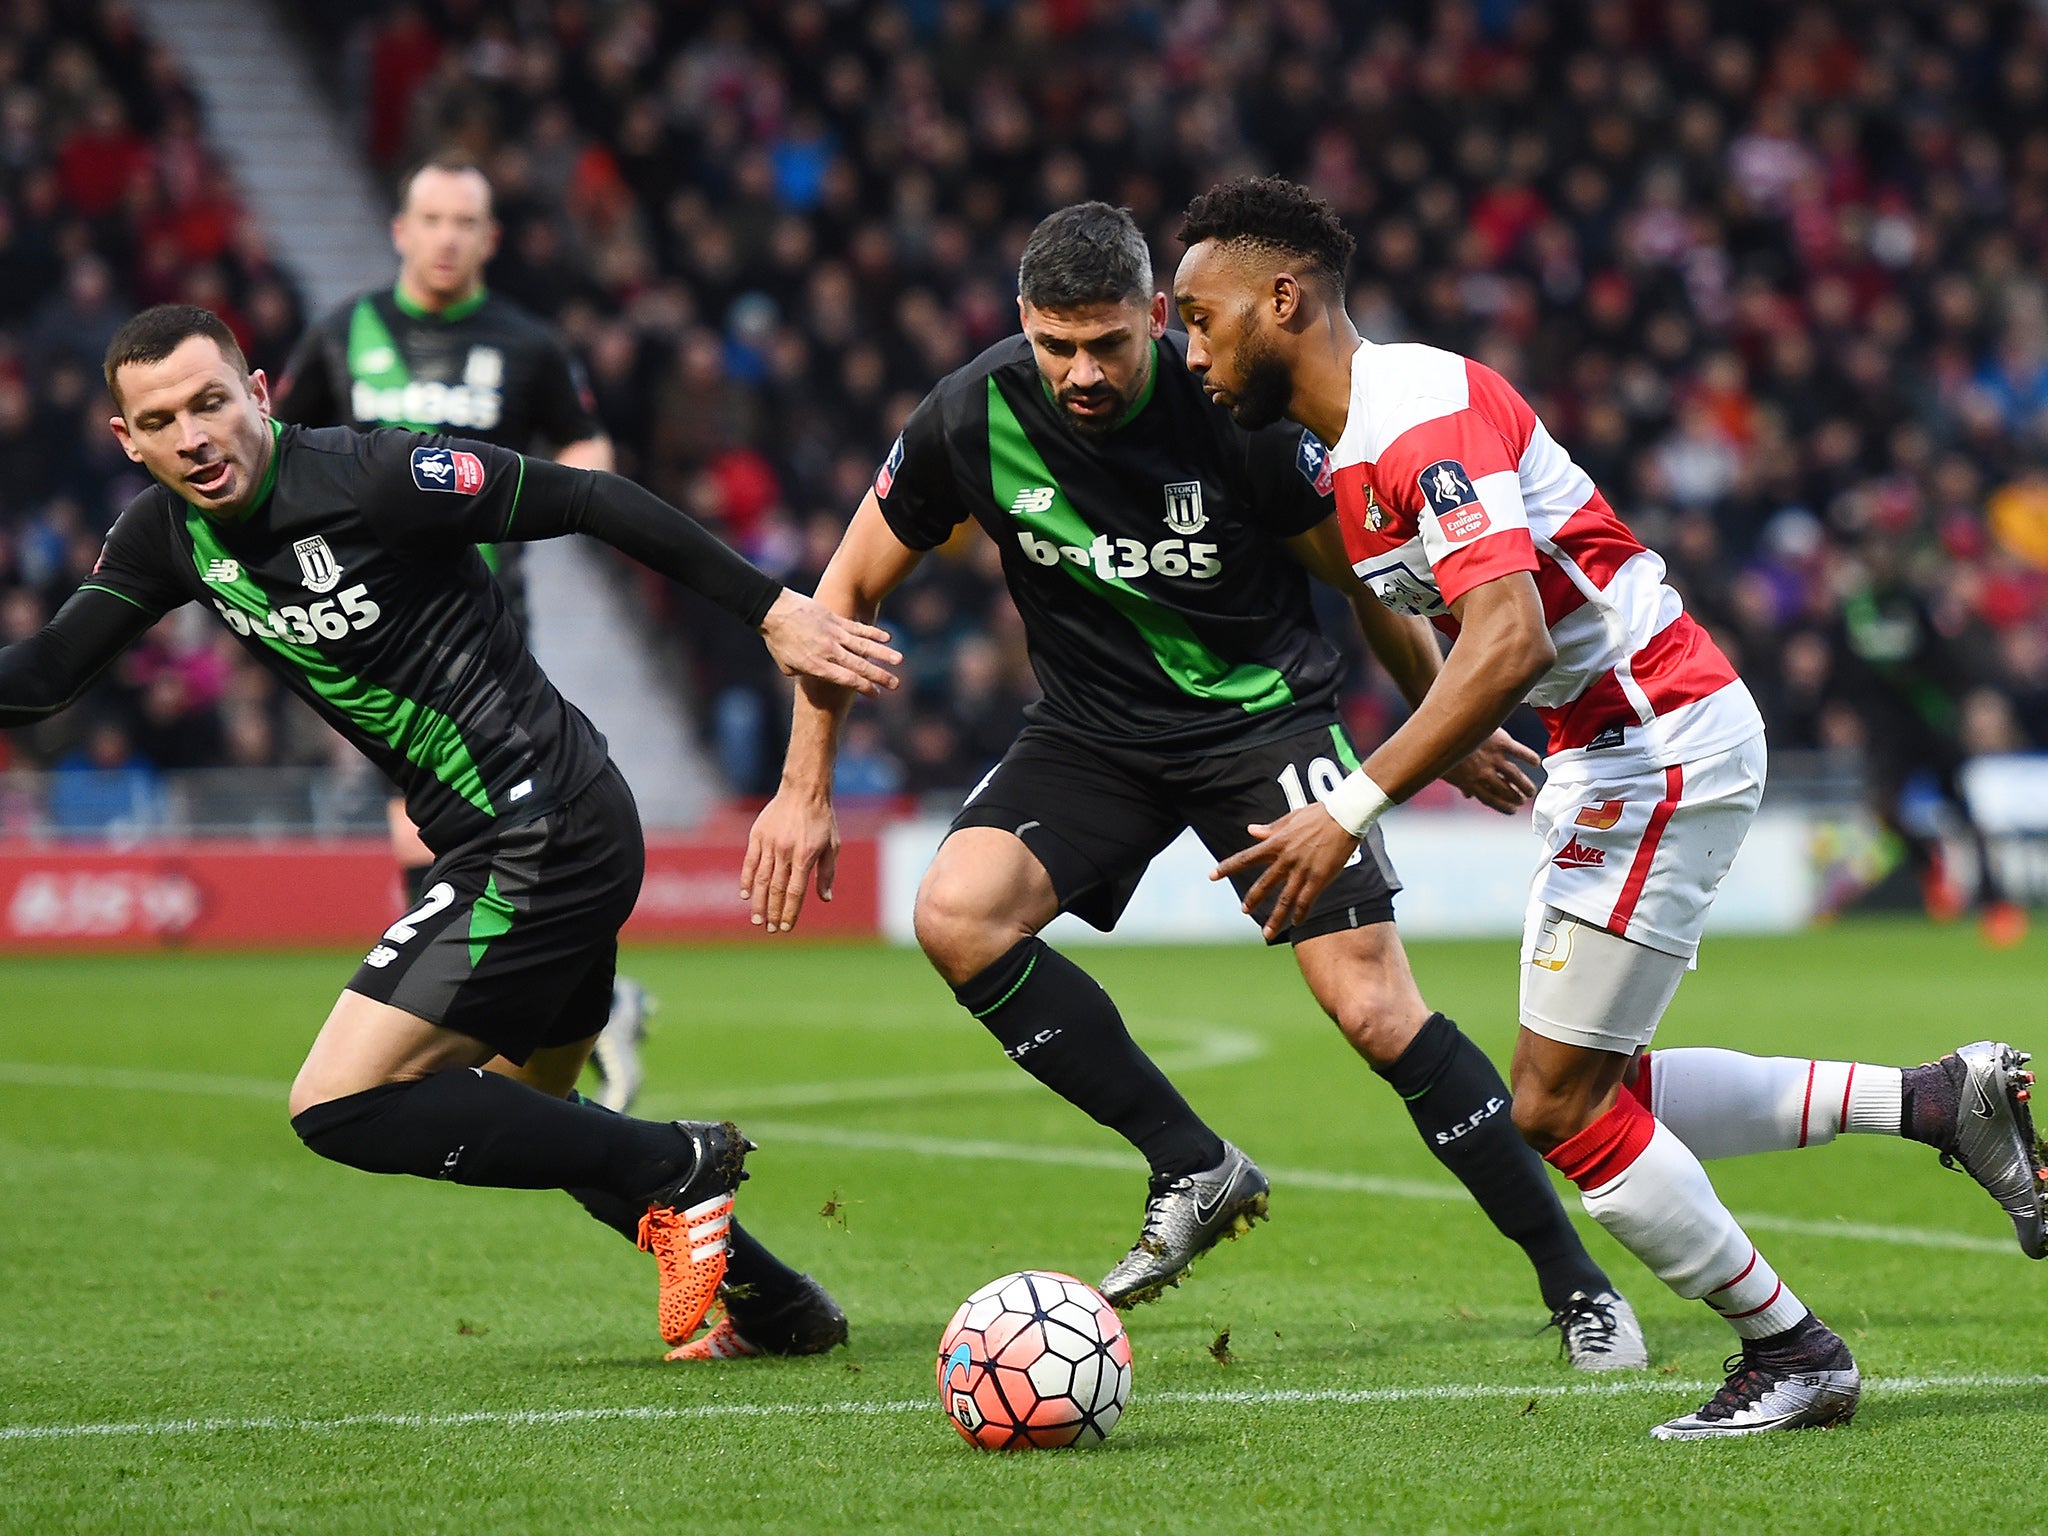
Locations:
(1725, 1104)
(1653, 1197)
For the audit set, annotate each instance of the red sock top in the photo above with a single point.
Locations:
(1602, 1152)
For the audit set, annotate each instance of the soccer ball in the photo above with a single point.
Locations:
(1035, 1359)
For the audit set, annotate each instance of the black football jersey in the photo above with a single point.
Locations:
(356, 579)
(1159, 604)
(483, 368)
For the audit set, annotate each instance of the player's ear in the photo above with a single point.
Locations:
(119, 426)
(259, 389)
(1158, 315)
(1287, 297)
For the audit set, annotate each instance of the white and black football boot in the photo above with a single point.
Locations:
(617, 1052)
(1600, 1333)
(1184, 1218)
(1992, 1135)
(1806, 1381)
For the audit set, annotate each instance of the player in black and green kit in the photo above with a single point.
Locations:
(1158, 554)
(438, 352)
(345, 563)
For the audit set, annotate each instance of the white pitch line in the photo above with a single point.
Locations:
(889, 1142)
(121, 1079)
(521, 1418)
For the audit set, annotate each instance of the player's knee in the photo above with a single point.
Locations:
(1381, 1022)
(343, 1129)
(1550, 1114)
(957, 927)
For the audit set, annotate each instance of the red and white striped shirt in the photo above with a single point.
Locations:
(1446, 480)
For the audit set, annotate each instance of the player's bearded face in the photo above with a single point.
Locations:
(1096, 362)
(1262, 386)
(198, 425)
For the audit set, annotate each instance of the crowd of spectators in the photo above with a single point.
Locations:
(110, 199)
(1774, 274)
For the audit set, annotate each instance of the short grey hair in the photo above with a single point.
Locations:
(1088, 254)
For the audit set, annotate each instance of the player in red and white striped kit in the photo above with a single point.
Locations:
(1460, 509)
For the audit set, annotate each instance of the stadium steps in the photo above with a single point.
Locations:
(288, 148)
(591, 637)
(327, 222)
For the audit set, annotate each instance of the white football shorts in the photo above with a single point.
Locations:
(1639, 853)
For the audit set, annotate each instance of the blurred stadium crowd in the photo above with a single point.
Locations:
(1774, 274)
(110, 198)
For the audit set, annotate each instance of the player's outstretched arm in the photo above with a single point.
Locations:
(1503, 647)
(797, 832)
(1496, 772)
(805, 638)
(47, 672)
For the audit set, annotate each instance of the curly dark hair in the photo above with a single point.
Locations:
(1276, 213)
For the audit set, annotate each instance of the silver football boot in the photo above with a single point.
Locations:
(1993, 1135)
(1184, 1219)
(1600, 1333)
(617, 1052)
(1814, 1384)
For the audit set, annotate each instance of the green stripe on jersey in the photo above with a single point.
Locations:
(1015, 466)
(490, 917)
(374, 359)
(420, 735)
(1346, 753)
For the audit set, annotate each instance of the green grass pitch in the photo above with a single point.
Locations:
(205, 1328)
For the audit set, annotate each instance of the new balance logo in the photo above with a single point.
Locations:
(1576, 855)
(1033, 499)
(225, 571)
(380, 957)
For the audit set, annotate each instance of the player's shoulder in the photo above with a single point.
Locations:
(1012, 355)
(338, 440)
(959, 402)
(1409, 385)
(513, 321)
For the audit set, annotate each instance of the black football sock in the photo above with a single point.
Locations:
(753, 1273)
(1459, 1104)
(755, 1279)
(415, 878)
(477, 1127)
(1056, 1023)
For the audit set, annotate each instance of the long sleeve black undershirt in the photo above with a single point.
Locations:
(556, 499)
(47, 672)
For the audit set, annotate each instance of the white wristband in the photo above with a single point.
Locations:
(1357, 803)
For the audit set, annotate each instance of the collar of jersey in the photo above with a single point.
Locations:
(461, 309)
(1144, 395)
(262, 491)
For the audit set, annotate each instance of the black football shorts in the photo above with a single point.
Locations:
(1095, 816)
(517, 937)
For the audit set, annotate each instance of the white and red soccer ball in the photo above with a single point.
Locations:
(1034, 1360)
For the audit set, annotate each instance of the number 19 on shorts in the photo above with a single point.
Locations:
(1323, 778)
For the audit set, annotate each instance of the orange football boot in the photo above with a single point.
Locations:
(685, 1226)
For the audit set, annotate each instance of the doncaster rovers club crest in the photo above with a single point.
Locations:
(1184, 514)
(317, 564)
